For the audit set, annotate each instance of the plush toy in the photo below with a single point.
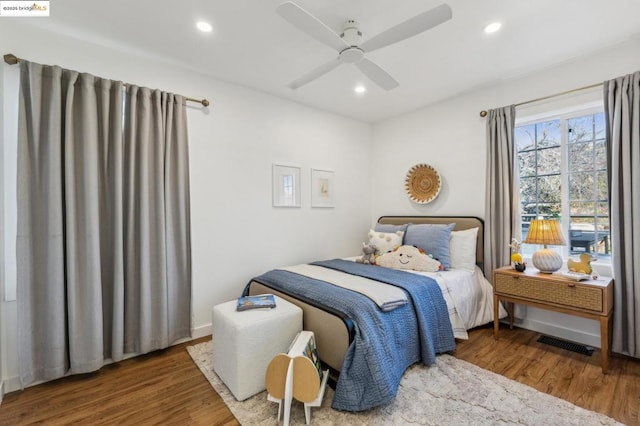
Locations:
(409, 257)
(583, 266)
(368, 257)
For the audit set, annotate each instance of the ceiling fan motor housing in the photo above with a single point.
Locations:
(351, 34)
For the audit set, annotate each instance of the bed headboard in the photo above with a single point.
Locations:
(462, 222)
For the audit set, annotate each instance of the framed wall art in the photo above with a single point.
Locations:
(286, 186)
(322, 190)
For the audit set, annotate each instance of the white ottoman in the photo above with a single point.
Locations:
(245, 342)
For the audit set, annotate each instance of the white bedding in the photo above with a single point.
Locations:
(470, 294)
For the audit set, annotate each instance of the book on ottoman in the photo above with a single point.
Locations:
(261, 301)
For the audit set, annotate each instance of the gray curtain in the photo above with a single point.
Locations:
(157, 220)
(622, 109)
(76, 245)
(501, 204)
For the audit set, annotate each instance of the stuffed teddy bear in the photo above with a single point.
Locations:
(368, 257)
(409, 257)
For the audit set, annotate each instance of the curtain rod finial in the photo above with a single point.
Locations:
(483, 113)
(11, 59)
(205, 103)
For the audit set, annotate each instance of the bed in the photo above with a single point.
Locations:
(340, 332)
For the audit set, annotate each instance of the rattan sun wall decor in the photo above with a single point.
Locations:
(422, 183)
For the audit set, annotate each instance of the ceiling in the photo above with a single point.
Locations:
(252, 46)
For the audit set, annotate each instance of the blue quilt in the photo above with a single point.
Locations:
(385, 343)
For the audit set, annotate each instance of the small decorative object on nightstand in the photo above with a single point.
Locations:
(516, 257)
(583, 265)
(546, 232)
(587, 298)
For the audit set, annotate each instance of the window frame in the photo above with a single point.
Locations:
(564, 115)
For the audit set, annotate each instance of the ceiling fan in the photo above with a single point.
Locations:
(348, 45)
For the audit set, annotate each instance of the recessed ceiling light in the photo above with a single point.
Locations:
(492, 27)
(359, 89)
(203, 26)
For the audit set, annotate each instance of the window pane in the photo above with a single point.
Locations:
(579, 209)
(527, 163)
(581, 186)
(528, 190)
(548, 133)
(582, 223)
(601, 155)
(549, 161)
(602, 210)
(549, 210)
(600, 126)
(549, 189)
(525, 137)
(580, 129)
(602, 186)
(580, 156)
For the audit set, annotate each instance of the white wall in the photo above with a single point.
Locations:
(451, 137)
(236, 233)
(1, 235)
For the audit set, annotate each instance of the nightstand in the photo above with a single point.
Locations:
(592, 299)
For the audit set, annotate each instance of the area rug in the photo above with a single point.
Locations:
(453, 392)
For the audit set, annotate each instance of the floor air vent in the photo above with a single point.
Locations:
(563, 344)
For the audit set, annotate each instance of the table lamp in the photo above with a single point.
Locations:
(546, 232)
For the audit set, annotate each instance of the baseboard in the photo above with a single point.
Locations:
(11, 384)
(1, 392)
(202, 331)
(555, 330)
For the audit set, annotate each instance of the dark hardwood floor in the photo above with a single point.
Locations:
(167, 388)
(164, 387)
(568, 375)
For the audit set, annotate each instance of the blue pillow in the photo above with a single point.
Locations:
(433, 239)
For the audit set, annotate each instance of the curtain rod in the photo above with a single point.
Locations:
(12, 59)
(483, 113)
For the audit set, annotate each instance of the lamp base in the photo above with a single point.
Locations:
(547, 260)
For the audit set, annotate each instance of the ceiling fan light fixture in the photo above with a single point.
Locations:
(492, 27)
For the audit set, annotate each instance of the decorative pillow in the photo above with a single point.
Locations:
(462, 249)
(385, 241)
(385, 227)
(408, 257)
(433, 239)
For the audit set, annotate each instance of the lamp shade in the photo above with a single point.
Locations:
(546, 232)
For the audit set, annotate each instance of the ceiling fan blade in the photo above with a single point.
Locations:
(313, 74)
(409, 28)
(311, 25)
(377, 74)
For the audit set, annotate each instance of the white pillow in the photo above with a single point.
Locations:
(385, 241)
(462, 248)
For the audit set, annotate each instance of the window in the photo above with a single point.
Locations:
(563, 174)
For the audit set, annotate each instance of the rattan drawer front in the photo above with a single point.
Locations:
(569, 294)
